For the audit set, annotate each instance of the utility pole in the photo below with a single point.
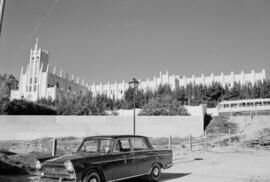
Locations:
(2, 8)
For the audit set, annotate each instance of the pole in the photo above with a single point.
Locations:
(2, 8)
(218, 138)
(230, 135)
(54, 147)
(170, 142)
(190, 142)
(134, 112)
(205, 139)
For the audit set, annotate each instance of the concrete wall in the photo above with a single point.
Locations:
(32, 127)
(192, 110)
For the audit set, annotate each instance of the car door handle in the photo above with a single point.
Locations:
(125, 158)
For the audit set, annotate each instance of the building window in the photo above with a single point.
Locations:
(258, 103)
(30, 80)
(242, 104)
(69, 88)
(30, 88)
(35, 88)
(233, 105)
(266, 103)
(57, 85)
(35, 79)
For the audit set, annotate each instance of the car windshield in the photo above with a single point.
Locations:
(96, 145)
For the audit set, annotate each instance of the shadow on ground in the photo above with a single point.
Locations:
(164, 177)
(10, 170)
(26, 178)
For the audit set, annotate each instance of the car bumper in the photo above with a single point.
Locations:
(168, 165)
(44, 179)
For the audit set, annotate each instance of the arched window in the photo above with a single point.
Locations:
(57, 85)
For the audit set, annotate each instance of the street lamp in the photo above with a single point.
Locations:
(134, 84)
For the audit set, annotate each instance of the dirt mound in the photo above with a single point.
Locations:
(256, 128)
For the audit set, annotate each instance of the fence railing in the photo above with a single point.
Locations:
(209, 139)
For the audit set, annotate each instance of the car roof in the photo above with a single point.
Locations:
(113, 136)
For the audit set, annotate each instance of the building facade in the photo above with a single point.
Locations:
(37, 81)
(117, 89)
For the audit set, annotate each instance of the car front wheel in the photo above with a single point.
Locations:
(155, 173)
(93, 176)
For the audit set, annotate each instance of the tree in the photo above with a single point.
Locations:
(7, 82)
(129, 98)
(265, 90)
(48, 102)
(212, 95)
(23, 107)
(163, 105)
(180, 95)
(246, 91)
(234, 92)
(256, 90)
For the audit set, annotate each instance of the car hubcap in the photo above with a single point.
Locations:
(156, 171)
(93, 180)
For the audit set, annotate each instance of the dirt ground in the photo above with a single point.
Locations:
(218, 166)
(226, 164)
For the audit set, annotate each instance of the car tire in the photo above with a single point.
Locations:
(155, 173)
(93, 176)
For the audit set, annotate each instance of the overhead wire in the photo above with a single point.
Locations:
(38, 25)
(44, 18)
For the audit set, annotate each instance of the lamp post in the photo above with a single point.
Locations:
(134, 84)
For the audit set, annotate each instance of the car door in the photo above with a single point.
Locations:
(143, 155)
(124, 160)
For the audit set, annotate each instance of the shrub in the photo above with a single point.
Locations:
(164, 105)
(22, 107)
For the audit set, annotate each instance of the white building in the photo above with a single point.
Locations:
(117, 89)
(39, 82)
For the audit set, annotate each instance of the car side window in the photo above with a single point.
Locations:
(90, 146)
(139, 144)
(122, 145)
(105, 146)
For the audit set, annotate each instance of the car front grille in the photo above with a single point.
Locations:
(48, 169)
(57, 175)
(56, 172)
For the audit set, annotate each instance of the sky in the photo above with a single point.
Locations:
(115, 40)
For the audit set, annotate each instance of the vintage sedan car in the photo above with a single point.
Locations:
(107, 158)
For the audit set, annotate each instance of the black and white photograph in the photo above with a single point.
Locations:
(134, 90)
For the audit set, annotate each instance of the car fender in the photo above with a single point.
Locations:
(97, 168)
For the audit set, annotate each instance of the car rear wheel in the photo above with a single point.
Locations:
(93, 176)
(155, 173)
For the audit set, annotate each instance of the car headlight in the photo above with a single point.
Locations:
(38, 165)
(69, 166)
